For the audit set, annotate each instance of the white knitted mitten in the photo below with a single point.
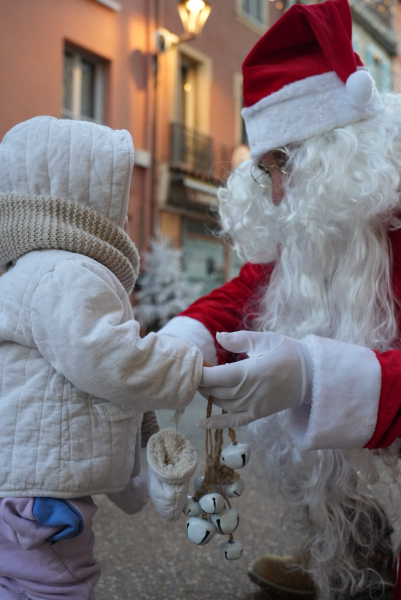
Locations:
(172, 461)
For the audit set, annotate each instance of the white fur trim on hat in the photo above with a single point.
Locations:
(303, 109)
(194, 331)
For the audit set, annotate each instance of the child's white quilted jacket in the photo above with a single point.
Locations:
(75, 376)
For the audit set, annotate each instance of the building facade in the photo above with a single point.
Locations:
(200, 129)
(97, 60)
(375, 38)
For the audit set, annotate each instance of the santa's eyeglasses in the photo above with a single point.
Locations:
(261, 174)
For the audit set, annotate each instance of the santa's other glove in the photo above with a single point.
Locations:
(276, 375)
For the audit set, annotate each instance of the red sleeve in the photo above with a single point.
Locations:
(225, 308)
(388, 425)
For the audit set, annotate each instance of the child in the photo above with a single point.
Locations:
(75, 375)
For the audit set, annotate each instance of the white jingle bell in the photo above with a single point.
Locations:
(234, 490)
(226, 521)
(231, 550)
(212, 503)
(200, 531)
(192, 507)
(236, 455)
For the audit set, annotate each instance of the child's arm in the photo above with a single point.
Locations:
(82, 323)
(224, 309)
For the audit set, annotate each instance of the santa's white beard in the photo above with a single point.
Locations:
(332, 274)
(329, 238)
(337, 287)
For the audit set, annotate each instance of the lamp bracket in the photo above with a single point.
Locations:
(165, 40)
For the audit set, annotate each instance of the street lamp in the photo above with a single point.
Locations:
(194, 14)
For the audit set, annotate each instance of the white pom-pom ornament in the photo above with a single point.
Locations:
(234, 490)
(226, 521)
(212, 504)
(192, 507)
(231, 550)
(359, 87)
(236, 455)
(200, 531)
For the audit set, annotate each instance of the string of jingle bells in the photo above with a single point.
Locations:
(209, 510)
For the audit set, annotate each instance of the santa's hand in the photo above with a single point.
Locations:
(276, 375)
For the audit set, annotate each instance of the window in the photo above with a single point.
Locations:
(83, 87)
(191, 146)
(244, 135)
(191, 88)
(189, 92)
(206, 259)
(204, 262)
(255, 11)
(241, 137)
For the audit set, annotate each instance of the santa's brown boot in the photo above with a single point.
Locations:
(281, 578)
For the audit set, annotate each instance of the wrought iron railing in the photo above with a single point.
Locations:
(191, 150)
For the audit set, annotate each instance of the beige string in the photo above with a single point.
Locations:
(216, 474)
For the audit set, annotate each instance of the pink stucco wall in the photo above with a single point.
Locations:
(32, 38)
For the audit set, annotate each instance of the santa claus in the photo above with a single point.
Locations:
(316, 213)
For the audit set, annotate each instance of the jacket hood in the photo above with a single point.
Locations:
(73, 160)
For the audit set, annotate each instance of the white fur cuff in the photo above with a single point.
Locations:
(345, 397)
(194, 331)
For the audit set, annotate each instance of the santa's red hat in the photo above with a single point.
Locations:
(303, 78)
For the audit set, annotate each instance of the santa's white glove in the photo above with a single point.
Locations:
(276, 376)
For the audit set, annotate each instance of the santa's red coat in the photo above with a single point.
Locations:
(229, 308)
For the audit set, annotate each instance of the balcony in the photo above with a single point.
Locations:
(191, 151)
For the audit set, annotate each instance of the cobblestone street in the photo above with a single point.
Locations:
(145, 558)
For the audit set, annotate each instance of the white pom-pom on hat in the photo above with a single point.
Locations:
(359, 88)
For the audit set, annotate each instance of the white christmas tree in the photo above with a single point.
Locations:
(164, 290)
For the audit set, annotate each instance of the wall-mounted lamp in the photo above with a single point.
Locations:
(194, 14)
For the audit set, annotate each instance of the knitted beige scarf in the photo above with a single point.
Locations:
(30, 223)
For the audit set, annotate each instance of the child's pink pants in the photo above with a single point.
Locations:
(34, 568)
